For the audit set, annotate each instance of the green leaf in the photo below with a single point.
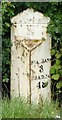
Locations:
(7, 24)
(59, 85)
(52, 70)
(57, 30)
(58, 62)
(57, 67)
(57, 55)
(55, 76)
(5, 80)
(61, 49)
(53, 51)
(60, 71)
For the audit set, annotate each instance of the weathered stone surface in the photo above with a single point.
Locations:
(30, 56)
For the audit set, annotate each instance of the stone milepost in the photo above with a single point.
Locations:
(30, 57)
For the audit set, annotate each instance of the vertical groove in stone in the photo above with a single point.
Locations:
(29, 76)
(18, 82)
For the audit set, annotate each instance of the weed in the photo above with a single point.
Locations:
(19, 108)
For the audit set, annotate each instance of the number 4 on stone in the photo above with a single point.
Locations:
(44, 84)
(39, 85)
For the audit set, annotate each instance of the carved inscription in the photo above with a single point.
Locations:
(41, 77)
(40, 66)
(42, 61)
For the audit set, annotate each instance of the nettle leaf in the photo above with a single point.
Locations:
(58, 62)
(57, 67)
(59, 85)
(60, 71)
(57, 55)
(52, 70)
(55, 76)
(53, 51)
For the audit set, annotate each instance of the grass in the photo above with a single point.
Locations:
(18, 108)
